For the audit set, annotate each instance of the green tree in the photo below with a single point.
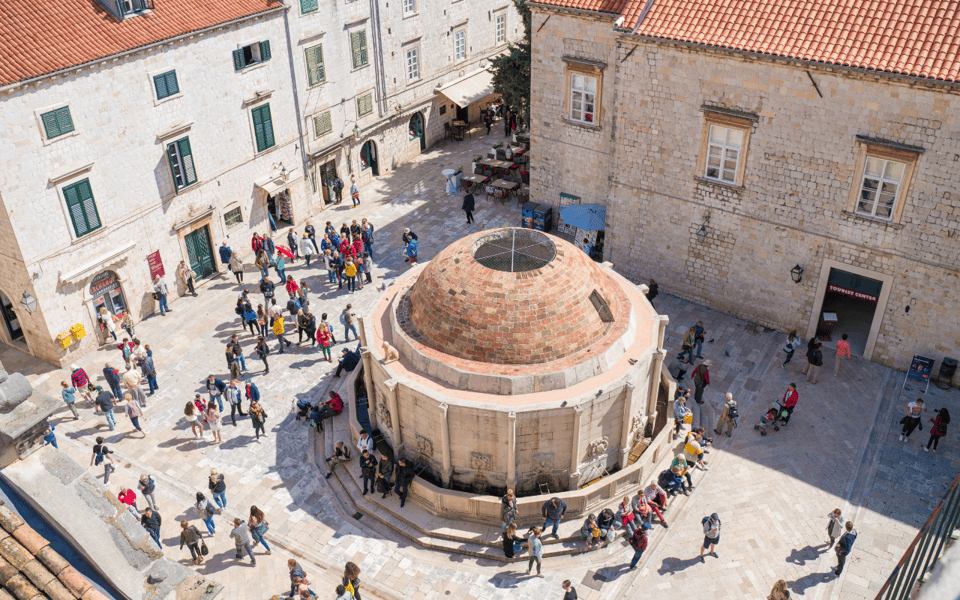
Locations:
(511, 70)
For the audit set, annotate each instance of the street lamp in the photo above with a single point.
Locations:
(356, 132)
(29, 302)
(702, 234)
(796, 273)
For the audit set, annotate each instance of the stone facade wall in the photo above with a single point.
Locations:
(116, 143)
(795, 202)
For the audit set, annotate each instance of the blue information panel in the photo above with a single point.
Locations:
(920, 369)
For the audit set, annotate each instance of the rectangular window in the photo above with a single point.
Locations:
(358, 45)
(459, 45)
(316, 73)
(181, 163)
(263, 127)
(583, 98)
(308, 6)
(364, 105)
(880, 187)
(723, 153)
(166, 85)
(57, 122)
(322, 124)
(232, 217)
(409, 7)
(501, 28)
(252, 54)
(413, 63)
(82, 207)
(128, 7)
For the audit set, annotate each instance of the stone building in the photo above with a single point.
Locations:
(762, 162)
(132, 140)
(380, 82)
(522, 365)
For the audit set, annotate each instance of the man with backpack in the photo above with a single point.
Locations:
(814, 360)
(711, 535)
(638, 541)
(338, 188)
(101, 454)
(728, 416)
(701, 379)
(844, 546)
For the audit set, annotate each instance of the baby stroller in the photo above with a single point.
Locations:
(303, 410)
(775, 415)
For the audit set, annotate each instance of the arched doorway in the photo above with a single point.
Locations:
(368, 158)
(105, 291)
(416, 130)
(12, 323)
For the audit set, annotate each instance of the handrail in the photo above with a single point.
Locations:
(925, 549)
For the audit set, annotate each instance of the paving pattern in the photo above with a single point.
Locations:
(772, 493)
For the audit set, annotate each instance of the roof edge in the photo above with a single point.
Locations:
(582, 11)
(941, 83)
(13, 85)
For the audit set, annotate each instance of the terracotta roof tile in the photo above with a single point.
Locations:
(910, 37)
(604, 6)
(44, 36)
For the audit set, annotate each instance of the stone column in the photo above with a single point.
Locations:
(656, 362)
(512, 451)
(368, 362)
(393, 389)
(577, 448)
(664, 320)
(445, 445)
(629, 404)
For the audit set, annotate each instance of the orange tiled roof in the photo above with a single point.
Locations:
(606, 6)
(910, 37)
(45, 36)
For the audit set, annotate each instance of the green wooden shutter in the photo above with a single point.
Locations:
(263, 127)
(358, 44)
(308, 6)
(238, 60)
(172, 86)
(174, 165)
(82, 208)
(265, 51)
(316, 73)
(322, 124)
(186, 158)
(57, 122)
(160, 84)
(64, 120)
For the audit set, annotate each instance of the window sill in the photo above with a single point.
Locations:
(411, 15)
(47, 141)
(253, 67)
(158, 102)
(588, 126)
(266, 151)
(876, 220)
(186, 188)
(361, 67)
(720, 184)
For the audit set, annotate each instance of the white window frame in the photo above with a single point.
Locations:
(586, 98)
(500, 35)
(229, 210)
(412, 67)
(38, 114)
(881, 180)
(409, 8)
(460, 49)
(723, 151)
(313, 123)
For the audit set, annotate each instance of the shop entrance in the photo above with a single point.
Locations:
(463, 114)
(852, 299)
(105, 291)
(368, 158)
(10, 318)
(328, 174)
(416, 130)
(200, 252)
(280, 207)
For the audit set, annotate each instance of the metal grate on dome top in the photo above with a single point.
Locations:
(514, 250)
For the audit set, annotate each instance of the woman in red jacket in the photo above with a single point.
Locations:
(938, 429)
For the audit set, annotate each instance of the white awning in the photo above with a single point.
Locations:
(273, 184)
(469, 88)
(97, 265)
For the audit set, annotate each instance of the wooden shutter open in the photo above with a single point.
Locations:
(186, 158)
(238, 62)
(265, 51)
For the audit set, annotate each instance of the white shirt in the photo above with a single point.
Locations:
(365, 443)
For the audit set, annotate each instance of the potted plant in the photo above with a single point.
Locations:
(475, 161)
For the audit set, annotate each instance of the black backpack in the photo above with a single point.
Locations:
(732, 412)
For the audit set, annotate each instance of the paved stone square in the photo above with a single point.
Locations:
(773, 493)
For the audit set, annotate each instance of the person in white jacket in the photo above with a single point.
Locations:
(307, 249)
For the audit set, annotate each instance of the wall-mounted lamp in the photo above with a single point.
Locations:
(356, 132)
(796, 273)
(29, 302)
(702, 234)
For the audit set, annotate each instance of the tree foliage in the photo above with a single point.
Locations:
(511, 70)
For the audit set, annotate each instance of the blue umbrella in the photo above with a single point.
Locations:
(588, 217)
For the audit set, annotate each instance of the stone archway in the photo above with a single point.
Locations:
(416, 128)
(369, 158)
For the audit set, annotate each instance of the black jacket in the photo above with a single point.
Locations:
(350, 360)
(468, 203)
(152, 522)
(385, 468)
(368, 464)
(405, 474)
(266, 288)
(218, 486)
(105, 401)
(550, 511)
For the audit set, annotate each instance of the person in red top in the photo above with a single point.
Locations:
(256, 243)
(325, 338)
(790, 398)
(330, 408)
(292, 286)
(129, 497)
(843, 352)
(357, 245)
(346, 250)
(78, 377)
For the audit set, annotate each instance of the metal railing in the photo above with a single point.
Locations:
(922, 554)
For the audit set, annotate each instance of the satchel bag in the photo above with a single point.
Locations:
(156, 295)
(203, 548)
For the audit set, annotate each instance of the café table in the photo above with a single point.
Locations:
(473, 183)
(503, 188)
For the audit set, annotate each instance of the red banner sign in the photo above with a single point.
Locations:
(832, 287)
(156, 265)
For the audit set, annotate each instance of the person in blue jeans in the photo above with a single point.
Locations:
(218, 488)
(105, 401)
(553, 512)
(349, 320)
(160, 287)
(151, 522)
(639, 543)
(206, 510)
(699, 333)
